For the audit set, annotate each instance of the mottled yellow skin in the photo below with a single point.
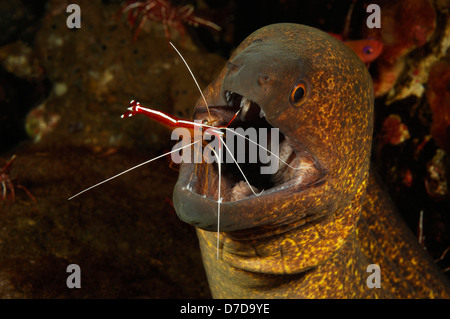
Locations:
(317, 240)
(380, 238)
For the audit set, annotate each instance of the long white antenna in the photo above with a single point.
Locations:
(218, 158)
(130, 169)
(267, 150)
(219, 199)
(193, 77)
(245, 177)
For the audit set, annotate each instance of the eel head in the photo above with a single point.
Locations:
(318, 94)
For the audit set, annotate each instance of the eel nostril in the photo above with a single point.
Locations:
(264, 79)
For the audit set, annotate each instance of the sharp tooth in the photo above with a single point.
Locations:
(245, 106)
(262, 114)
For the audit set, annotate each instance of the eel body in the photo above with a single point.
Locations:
(315, 230)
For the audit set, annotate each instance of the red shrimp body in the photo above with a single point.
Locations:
(173, 122)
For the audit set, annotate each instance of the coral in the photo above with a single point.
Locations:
(438, 95)
(19, 59)
(435, 180)
(39, 122)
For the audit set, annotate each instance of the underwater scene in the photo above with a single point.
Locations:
(68, 71)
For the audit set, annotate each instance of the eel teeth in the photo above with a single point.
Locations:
(228, 96)
(245, 106)
(262, 114)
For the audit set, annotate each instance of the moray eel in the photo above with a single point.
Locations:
(314, 231)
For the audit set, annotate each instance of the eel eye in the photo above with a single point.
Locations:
(297, 94)
(368, 50)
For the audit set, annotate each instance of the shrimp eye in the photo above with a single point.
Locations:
(297, 94)
(368, 50)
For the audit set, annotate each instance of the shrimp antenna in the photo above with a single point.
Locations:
(219, 200)
(130, 169)
(193, 77)
(245, 177)
(267, 150)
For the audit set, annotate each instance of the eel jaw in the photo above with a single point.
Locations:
(196, 193)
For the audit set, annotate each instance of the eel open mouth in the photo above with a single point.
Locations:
(287, 164)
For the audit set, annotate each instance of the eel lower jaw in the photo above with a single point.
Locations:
(196, 194)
